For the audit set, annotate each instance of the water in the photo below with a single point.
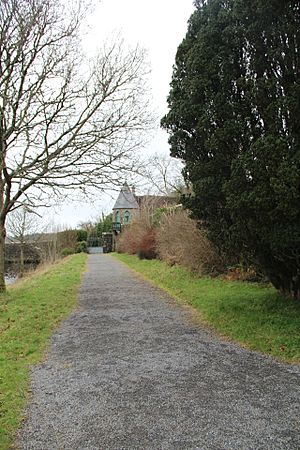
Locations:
(10, 279)
(12, 271)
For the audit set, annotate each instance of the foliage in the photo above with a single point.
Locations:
(180, 241)
(81, 235)
(138, 239)
(234, 120)
(157, 215)
(147, 245)
(30, 311)
(252, 314)
(127, 241)
(81, 247)
(67, 251)
(52, 244)
(104, 225)
(91, 231)
(66, 238)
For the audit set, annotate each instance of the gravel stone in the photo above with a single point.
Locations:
(131, 370)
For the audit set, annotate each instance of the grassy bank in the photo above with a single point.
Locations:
(248, 313)
(29, 312)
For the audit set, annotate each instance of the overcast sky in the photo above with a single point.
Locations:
(156, 25)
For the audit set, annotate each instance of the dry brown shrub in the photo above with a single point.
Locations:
(147, 246)
(180, 241)
(242, 274)
(66, 239)
(137, 238)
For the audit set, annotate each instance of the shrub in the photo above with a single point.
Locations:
(244, 273)
(81, 235)
(137, 238)
(81, 247)
(180, 241)
(66, 239)
(127, 241)
(147, 245)
(67, 251)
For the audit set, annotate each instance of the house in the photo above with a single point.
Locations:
(125, 208)
(129, 206)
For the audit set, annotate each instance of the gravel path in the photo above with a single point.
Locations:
(131, 370)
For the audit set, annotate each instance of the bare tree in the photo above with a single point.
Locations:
(165, 175)
(22, 223)
(65, 122)
(48, 243)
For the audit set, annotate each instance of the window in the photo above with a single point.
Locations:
(118, 219)
(126, 217)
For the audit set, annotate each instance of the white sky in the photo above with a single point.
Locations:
(156, 25)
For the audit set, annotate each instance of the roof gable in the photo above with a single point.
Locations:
(126, 199)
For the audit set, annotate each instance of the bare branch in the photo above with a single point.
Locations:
(65, 122)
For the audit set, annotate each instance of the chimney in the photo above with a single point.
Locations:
(133, 190)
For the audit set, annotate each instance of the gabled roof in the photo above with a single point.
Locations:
(157, 201)
(126, 199)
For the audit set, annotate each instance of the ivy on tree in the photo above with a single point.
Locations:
(234, 119)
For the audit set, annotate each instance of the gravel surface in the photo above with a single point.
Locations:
(131, 370)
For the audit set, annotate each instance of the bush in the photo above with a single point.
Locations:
(138, 239)
(66, 239)
(81, 235)
(244, 273)
(67, 251)
(81, 247)
(180, 241)
(127, 241)
(147, 246)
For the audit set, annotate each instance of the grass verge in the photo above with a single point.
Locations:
(29, 312)
(256, 316)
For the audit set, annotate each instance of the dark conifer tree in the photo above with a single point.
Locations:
(234, 120)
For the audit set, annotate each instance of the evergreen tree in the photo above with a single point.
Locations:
(234, 120)
(104, 224)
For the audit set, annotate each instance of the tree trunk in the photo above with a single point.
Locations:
(2, 257)
(286, 283)
(21, 268)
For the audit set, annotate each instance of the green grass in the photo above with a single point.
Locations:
(254, 315)
(29, 312)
